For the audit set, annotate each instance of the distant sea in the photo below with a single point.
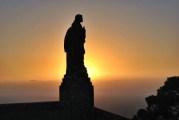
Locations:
(122, 96)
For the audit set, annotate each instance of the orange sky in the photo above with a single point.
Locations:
(124, 39)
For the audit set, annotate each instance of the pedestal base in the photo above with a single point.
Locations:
(77, 97)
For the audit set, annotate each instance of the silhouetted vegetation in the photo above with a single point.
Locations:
(164, 105)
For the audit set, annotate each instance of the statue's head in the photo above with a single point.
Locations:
(79, 18)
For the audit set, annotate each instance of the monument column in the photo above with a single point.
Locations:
(76, 89)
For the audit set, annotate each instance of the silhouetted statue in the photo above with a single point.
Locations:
(76, 89)
(74, 46)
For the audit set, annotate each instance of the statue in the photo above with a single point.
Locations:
(74, 46)
(76, 89)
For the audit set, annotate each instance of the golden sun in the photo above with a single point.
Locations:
(92, 69)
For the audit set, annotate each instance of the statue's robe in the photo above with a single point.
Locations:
(74, 47)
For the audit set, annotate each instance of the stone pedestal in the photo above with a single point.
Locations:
(77, 97)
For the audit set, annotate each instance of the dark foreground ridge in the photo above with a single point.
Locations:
(45, 111)
(164, 105)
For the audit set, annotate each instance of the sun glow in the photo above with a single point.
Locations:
(93, 71)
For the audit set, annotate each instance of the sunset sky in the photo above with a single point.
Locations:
(125, 38)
